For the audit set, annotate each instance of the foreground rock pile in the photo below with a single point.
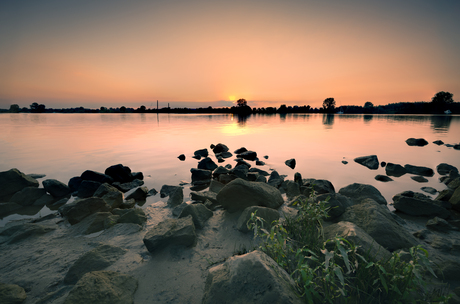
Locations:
(110, 203)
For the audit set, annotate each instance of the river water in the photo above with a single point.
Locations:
(65, 145)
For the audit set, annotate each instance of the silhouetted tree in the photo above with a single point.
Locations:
(37, 108)
(242, 102)
(282, 109)
(14, 108)
(442, 98)
(329, 104)
(123, 109)
(368, 104)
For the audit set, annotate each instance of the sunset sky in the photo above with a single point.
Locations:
(200, 53)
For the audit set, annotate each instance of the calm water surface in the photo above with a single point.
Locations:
(65, 145)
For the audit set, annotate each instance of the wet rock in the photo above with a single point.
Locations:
(370, 161)
(111, 195)
(439, 224)
(171, 232)
(320, 186)
(260, 163)
(204, 195)
(219, 148)
(97, 259)
(240, 171)
(119, 173)
(12, 181)
(292, 189)
(377, 221)
(74, 183)
(418, 204)
(225, 179)
(358, 192)
(250, 278)
(138, 194)
(207, 164)
(94, 176)
(416, 142)
(248, 155)
(290, 163)
(418, 170)
(181, 157)
(152, 192)
(224, 154)
(125, 187)
(337, 203)
(383, 164)
(200, 176)
(128, 204)
(27, 196)
(12, 294)
(103, 287)
(429, 190)
(167, 189)
(444, 169)
(395, 170)
(438, 142)
(56, 188)
(176, 196)
(268, 215)
(85, 207)
(344, 162)
(419, 179)
(220, 170)
(275, 179)
(200, 214)
(88, 188)
(178, 209)
(240, 194)
(383, 178)
(266, 156)
(215, 186)
(138, 175)
(351, 232)
(240, 150)
(201, 153)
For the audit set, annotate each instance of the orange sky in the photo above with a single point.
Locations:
(200, 53)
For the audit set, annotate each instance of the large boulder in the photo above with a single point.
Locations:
(418, 204)
(176, 196)
(88, 188)
(12, 294)
(200, 214)
(268, 215)
(370, 161)
(380, 224)
(200, 176)
(12, 181)
(202, 196)
(171, 232)
(94, 176)
(97, 259)
(416, 142)
(138, 194)
(56, 188)
(395, 170)
(27, 196)
(358, 192)
(119, 173)
(419, 170)
(444, 169)
(366, 244)
(240, 194)
(320, 186)
(111, 195)
(103, 287)
(84, 208)
(275, 179)
(337, 203)
(250, 278)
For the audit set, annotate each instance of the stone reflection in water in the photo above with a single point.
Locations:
(328, 120)
(441, 124)
(367, 118)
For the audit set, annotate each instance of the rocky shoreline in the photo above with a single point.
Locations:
(108, 242)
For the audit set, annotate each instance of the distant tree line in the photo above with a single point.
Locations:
(440, 102)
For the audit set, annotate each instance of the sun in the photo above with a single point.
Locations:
(232, 98)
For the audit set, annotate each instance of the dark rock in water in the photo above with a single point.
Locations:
(97, 259)
(290, 163)
(94, 176)
(383, 178)
(12, 294)
(199, 187)
(111, 195)
(88, 188)
(240, 194)
(103, 287)
(419, 179)
(260, 163)
(268, 215)
(320, 186)
(457, 147)
(200, 176)
(220, 159)
(275, 179)
(266, 156)
(35, 176)
(220, 170)
(298, 179)
(171, 232)
(138, 194)
(181, 157)
(207, 164)
(56, 188)
(74, 183)
(418, 204)
(248, 155)
(240, 150)
(416, 142)
(240, 162)
(377, 221)
(337, 203)
(439, 224)
(125, 187)
(152, 192)
(344, 162)
(359, 192)
(370, 161)
(204, 195)
(250, 278)
(12, 181)
(83, 208)
(167, 189)
(240, 171)
(119, 173)
(418, 170)
(201, 153)
(444, 169)
(176, 196)
(200, 214)
(438, 142)
(228, 166)
(27, 196)
(429, 190)
(225, 154)
(366, 245)
(219, 148)
(138, 175)
(128, 204)
(383, 164)
(395, 170)
(196, 157)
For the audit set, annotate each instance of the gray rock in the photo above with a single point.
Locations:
(250, 278)
(448, 269)
(455, 199)
(416, 142)
(358, 192)
(445, 195)
(56, 188)
(290, 163)
(178, 209)
(454, 184)
(167, 189)
(103, 287)
(135, 216)
(439, 224)
(351, 232)
(138, 194)
(125, 187)
(19, 233)
(12, 181)
(337, 203)
(203, 196)
(201, 153)
(112, 196)
(429, 190)
(380, 224)
(8, 208)
(240, 194)
(176, 196)
(12, 294)
(128, 204)
(260, 163)
(418, 204)
(240, 171)
(111, 221)
(419, 179)
(418, 170)
(422, 234)
(207, 164)
(48, 200)
(320, 186)
(88, 188)
(225, 179)
(395, 170)
(275, 179)
(383, 178)
(444, 169)
(292, 189)
(225, 154)
(85, 207)
(200, 214)
(27, 196)
(370, 161)
(220, 170)
(200, 176)
(152, 192)
(97, 259)
(268, 215)
(215, 186)
(94, 222)
(171, 232)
